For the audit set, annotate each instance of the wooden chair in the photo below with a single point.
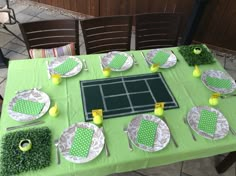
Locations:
(157, 30)
(104, 34)
(50, 34)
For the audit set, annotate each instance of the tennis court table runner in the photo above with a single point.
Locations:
(125, 95)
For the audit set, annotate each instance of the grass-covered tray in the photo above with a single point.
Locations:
(196, 55)
(15, 161)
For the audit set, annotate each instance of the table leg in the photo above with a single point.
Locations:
(226, 163)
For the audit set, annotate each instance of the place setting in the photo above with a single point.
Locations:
(207, 122)
(81, 142)
(116, 61)
(219, 82)
(65, 66)
(159, 58)
(28, 105)
(148, 132)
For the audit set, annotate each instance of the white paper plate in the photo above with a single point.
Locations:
(171, 61)
(106, 60)
(52, 64)
(32, 95)
(67, 137)
(222, 127)
(162, 137)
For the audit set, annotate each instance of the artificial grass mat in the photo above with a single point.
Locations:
(205, 57)
(14, 161)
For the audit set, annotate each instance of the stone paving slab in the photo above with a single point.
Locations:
(205, 167)
(12, 55)
(32, 11)
(5, 38)
(2, 88)
(15, 47)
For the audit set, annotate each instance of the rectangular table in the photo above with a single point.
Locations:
(187, 90)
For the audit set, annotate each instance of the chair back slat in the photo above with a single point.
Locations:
(107, 33)
(108, 48)
(46, 41)
(50, 33)
(157, 30)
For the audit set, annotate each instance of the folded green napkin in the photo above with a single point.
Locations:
(28, 107)
(207, 122)
(82, 142)
(118, 61)
(160, 58)
(219, 83)
(147, 132)
(66, 66)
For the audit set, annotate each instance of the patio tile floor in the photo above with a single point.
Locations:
(15, 49)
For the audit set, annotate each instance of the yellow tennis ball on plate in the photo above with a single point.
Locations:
(159, 111)
(213, 101)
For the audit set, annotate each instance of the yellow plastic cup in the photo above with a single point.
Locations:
(56, 79)
(106, 72)
(154, 68)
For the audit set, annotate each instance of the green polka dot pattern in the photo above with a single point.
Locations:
(160, 58)
(147, 132)
(219, 83)
(118, 61)
(66, 66)
(82, 142)
(207, 122)
(28, 107)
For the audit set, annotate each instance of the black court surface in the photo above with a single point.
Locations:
(124, 96)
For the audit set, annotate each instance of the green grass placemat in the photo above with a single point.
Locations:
(82, 142)
(160, 58)
(207, 122)
(147, 132)
(28, 107)
(205, 57)
(118, 61)
(219, 83)
(66, 66)
(14, 161)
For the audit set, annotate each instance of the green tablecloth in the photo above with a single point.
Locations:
(188, 91)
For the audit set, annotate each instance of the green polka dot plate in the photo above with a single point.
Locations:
(218, 81)
(67, 138)
(162, 136)
(221, 125)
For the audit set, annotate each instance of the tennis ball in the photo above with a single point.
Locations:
(159, 111)
(53, 111)
(97, 119)
(213, 101)
(197, 50)
(196, 73)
